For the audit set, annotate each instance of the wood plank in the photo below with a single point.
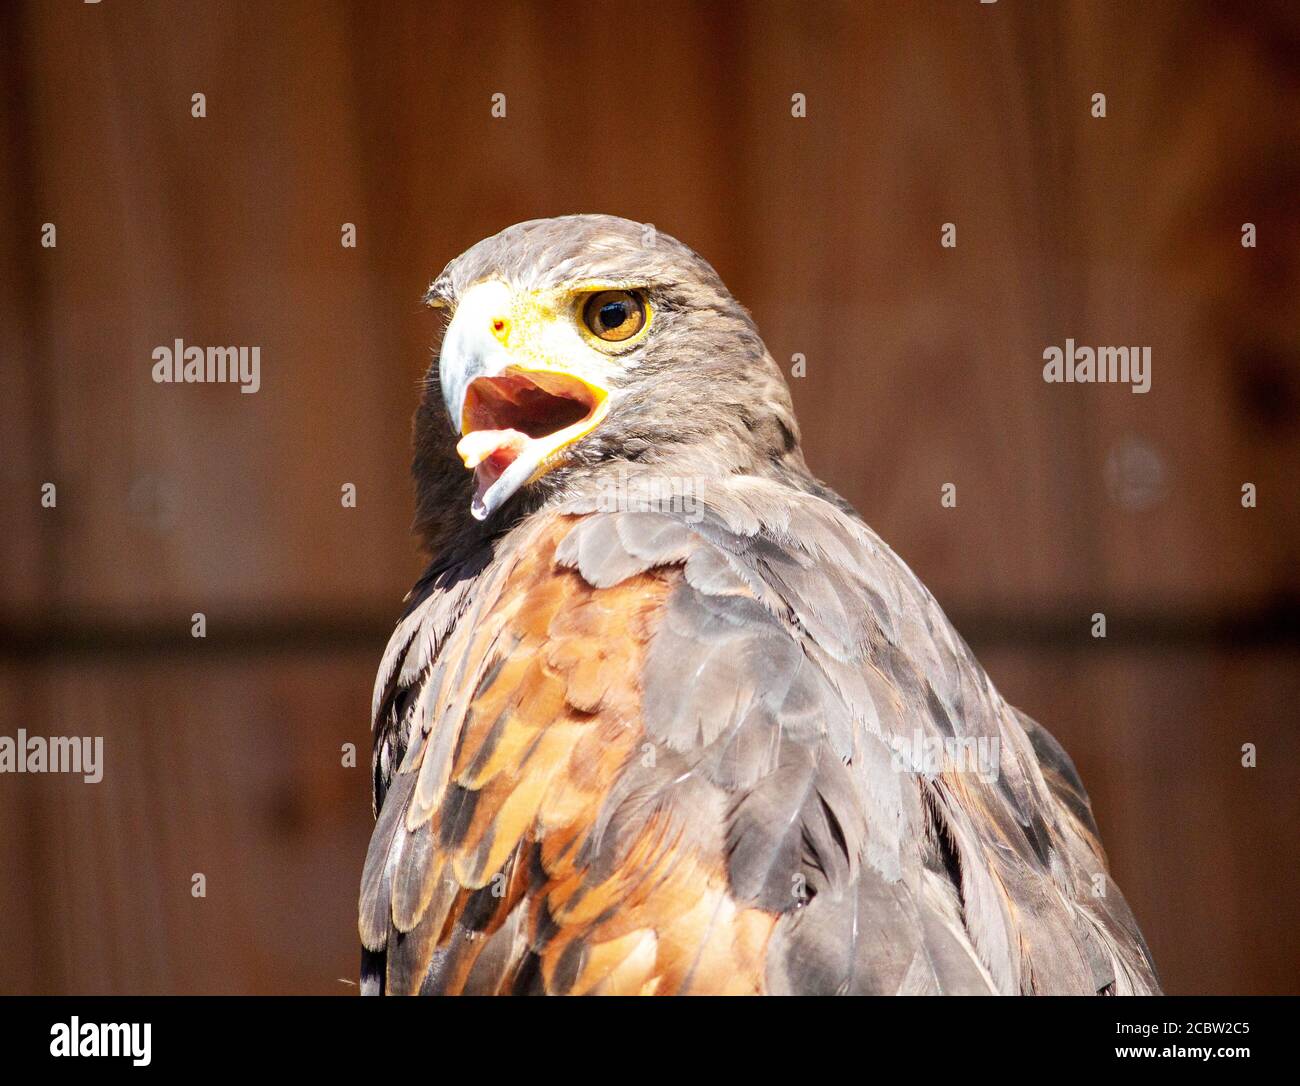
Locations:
(223, 230)
(31, 539)
(228, 768)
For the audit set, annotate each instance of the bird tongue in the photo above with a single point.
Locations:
(489, 453)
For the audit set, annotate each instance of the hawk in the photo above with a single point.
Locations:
(663, 715)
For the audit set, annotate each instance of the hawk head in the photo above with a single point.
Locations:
(581, 345)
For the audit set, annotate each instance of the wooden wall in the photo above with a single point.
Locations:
(924, 367)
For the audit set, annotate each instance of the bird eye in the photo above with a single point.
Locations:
(614, 315)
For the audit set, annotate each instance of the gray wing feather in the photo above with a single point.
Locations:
(793, 664)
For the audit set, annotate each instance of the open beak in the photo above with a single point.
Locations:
(516, 425)
(516, 413)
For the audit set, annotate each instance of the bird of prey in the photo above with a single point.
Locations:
(663, 715)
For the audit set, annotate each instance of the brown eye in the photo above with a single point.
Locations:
(614, 315)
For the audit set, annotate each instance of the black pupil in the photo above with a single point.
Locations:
(612, 314)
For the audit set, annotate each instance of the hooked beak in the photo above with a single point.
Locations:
(517, 411)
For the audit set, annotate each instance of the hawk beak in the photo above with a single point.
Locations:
(517, 424)
(517, 412)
